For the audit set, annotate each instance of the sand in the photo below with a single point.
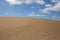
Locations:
(19, 28)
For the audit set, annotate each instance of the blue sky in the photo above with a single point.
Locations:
(49, 9)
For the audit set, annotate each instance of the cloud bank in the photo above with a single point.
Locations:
(48, 7)
(19, 2)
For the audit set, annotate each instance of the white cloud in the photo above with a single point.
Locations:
(33, 14)
(48, 5)
(56, 7)
(36, 15)
(46, 10)
(50, 8)
(28, 1)
(40, 2)
(14, 2)
(18, 2)
(40, 15)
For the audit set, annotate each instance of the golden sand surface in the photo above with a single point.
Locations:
(18, 28)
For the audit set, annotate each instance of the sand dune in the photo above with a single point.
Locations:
(15, 28)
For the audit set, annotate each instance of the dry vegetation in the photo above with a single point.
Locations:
(15, 28)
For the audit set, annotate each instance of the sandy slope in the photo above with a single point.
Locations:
(15, 28)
